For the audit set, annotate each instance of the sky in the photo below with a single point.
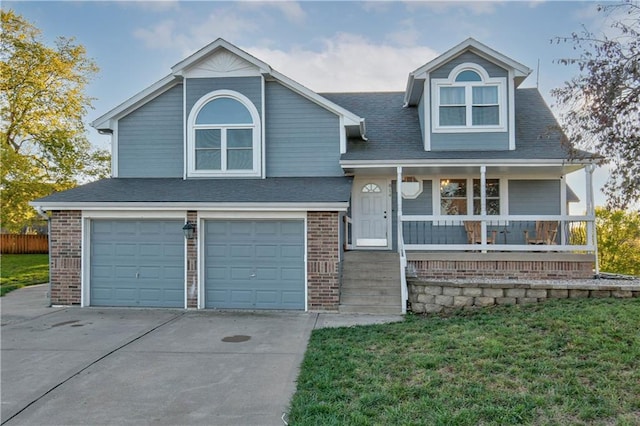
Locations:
(344, 46)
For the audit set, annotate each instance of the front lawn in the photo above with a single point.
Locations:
(19, 270)
(560, 362)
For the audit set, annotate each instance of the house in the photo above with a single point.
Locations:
(234, 186)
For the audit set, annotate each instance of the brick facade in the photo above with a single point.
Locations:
(192, 264)
(323, 261)
(508, 269)
(66, 257)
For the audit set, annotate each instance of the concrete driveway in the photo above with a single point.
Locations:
(65, 366)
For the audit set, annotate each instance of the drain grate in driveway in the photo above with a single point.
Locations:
(236, 339)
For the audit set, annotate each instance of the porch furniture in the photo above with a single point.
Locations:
(474, 233)
(545, 233)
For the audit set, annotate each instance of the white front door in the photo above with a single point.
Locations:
(371, 213)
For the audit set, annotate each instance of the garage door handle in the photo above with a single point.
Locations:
(137, 274)
(252, 275)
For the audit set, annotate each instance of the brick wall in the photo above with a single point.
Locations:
(509, 269)
(192, 264)
(323, 261)
(65, 257)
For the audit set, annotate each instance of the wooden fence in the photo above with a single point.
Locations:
(23, 244)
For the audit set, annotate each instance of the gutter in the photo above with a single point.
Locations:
(46, 217)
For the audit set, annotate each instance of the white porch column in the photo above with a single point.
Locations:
(399, 208)
(564, 226)
(591, 212)
(483, 202)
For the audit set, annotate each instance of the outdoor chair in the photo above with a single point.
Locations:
(545, 233)
(474, 233)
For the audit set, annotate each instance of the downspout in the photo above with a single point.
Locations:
(46, 217)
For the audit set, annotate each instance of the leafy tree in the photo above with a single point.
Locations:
(42, 104)
(603, 101)
(618, 233)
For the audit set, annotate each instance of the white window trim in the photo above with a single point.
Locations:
(191, 136)
(499, 82)
(437, 202)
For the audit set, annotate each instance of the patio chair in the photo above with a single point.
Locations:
(545, 233)
(474, 233)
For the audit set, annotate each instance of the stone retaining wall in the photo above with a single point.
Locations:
(437, 296)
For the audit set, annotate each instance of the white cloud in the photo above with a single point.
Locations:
(347, 62)
(160, 35)
(172, 34)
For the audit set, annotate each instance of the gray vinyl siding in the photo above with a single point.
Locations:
(150, 141)
(530, 197)
(492, 69)
(423, 204)
(302, 138)
(493, 141)
(251, 87)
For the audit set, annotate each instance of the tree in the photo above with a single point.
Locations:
(42, 105)
(618, 234)
(603, 101)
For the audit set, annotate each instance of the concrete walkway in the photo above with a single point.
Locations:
(142, 366)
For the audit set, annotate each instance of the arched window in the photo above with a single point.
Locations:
(224, 136)
(469, 100)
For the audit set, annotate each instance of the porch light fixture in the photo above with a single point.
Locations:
(189, 230)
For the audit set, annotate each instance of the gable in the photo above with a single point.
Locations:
(493, 69)
(222, 63)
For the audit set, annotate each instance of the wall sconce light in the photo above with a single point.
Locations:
(189, 230)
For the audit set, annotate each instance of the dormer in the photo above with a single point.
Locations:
(465, 99)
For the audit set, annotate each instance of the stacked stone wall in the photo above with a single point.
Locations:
(433, 296)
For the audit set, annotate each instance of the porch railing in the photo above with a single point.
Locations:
(499, 233)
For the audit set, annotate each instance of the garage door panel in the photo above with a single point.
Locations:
(269, 251)
(240, 273)
(122, 272)
(266, 274)
(240, 251)
(292, 228)
(241, 296)
(267, 297)
(137, 263)
(267, 228)
(292, 298)
(173, 273)
(239, 229)
(292, 274)
(155, 251)
(249, 263)
(292, 251)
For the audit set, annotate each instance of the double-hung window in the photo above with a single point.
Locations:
(463, 196)
(469, 100)
(224, 138)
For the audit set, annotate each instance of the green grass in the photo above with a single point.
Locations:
(562, 362)
(19, 270)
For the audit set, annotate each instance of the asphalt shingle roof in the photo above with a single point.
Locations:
(163, 190)
(393, 132)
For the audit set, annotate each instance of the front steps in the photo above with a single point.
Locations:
(371, 283)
